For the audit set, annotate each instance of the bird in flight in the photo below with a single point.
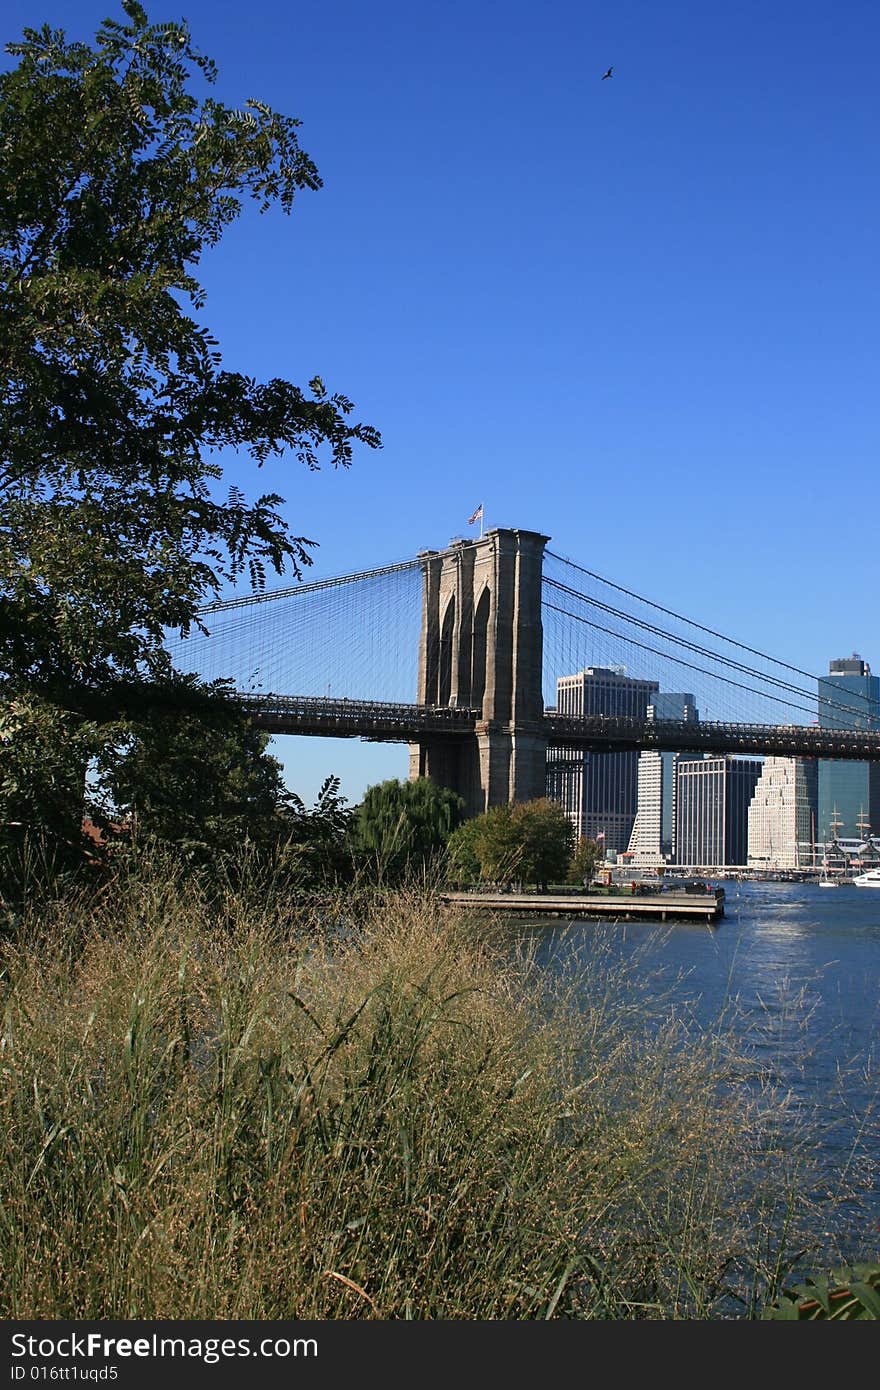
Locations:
(607, 74)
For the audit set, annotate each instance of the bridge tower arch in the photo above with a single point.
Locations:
(481, 648)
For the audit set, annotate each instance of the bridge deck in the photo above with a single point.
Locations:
(386, 722)
(656, 906)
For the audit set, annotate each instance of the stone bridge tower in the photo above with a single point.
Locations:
(481, 648)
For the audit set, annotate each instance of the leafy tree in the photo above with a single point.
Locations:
(587, 854)
(461, 851)
(529, 841)
(192, 769)
(317, 849)
(116, 176)
(400, 826)
(44, 757)
(548, 838)
(497, 845)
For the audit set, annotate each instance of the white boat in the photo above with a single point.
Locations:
(869, 879)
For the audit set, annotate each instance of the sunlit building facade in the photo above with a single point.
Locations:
(652, 841)
(782, 815)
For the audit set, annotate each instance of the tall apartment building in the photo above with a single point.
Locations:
(598, 791)
(782, 815)
(712, 797)
(653, 835)
(849, 793)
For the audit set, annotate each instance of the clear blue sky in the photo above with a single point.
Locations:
(640, 315)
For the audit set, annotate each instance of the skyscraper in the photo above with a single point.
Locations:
(653, 834)
(849, 793)
(782, 815)
(646, 840)
(599, 790)
(711, 809)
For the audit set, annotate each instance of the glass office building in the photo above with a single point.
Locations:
(712, 799)
(599, 791)
(849, 793)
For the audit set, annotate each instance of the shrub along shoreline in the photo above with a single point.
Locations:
(227, 1107)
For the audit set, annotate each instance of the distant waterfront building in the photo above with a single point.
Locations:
(782, 815)
(712, 797)
(598, 791)
(849, 793)
(653, 835)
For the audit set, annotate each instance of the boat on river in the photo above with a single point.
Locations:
(869, 879)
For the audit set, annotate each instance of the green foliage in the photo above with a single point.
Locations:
(845, 1295)
(496, 845)
(189, 768)
(116, 175)
(462, 858)
(116, 178)
(529, 841)
(44, 756)
(317, 849)
(400, 826)
(587, 854)
(181, 763)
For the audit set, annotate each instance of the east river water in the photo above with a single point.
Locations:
(794, 970)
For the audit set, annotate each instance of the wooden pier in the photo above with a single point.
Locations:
(656, 906)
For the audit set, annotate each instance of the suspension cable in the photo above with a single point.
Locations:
(680, 617)
(293, 591)
(789, 704)
(694, 647)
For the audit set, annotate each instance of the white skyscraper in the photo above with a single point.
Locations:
(782, 815)
(653, 834)
(645, 840)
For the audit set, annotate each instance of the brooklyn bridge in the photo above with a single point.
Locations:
(462, 653)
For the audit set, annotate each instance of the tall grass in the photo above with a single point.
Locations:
(235, 1109)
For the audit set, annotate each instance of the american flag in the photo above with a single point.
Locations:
(477, 516)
